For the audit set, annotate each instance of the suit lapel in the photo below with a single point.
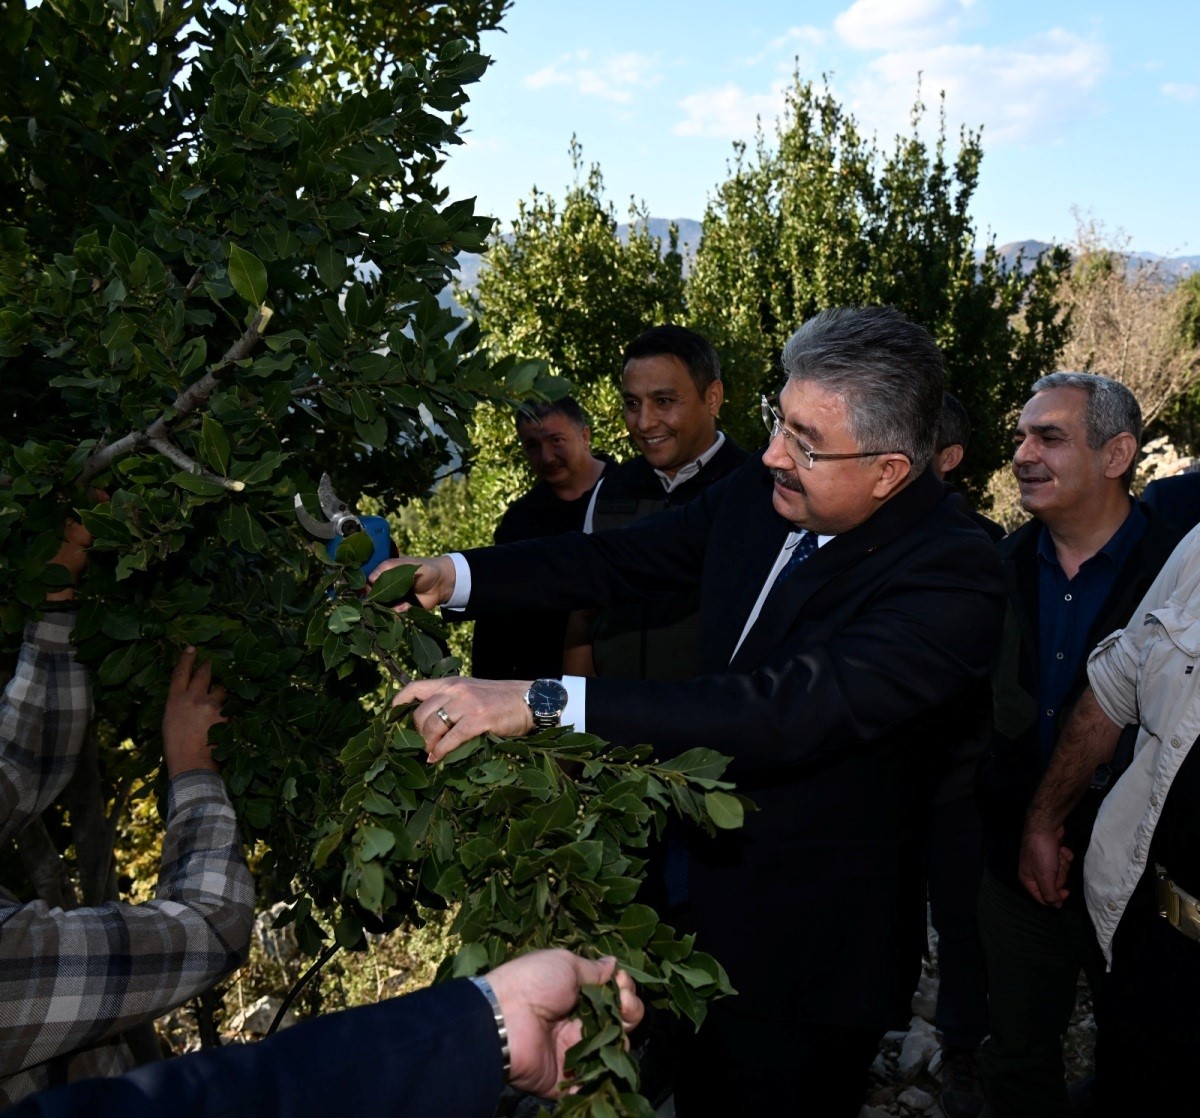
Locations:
(788, 599)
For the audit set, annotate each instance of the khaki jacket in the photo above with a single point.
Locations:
(1145, 675)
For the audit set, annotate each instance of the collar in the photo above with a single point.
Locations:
(1115, 551)
(685, 473)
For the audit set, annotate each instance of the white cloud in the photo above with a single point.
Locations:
(1023, 92)
(729, 113)
(804, 36)
(615, 78)
(1179, 91)
(899, 24)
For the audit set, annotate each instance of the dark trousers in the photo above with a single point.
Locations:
(1148, 1053)
(953, 871)
(739, 1065)
(1034, 955)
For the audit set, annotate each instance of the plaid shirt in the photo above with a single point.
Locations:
(71, 981)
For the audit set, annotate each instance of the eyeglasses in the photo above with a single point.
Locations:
(799, 451)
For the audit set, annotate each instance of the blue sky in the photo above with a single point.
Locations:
(1091, 106)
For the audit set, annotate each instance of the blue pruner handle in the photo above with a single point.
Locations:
(377, 528)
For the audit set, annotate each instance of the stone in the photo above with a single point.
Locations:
(278, 944)
(924, 1002)
(915, 1099)
(256, 1019)
(917, 1049)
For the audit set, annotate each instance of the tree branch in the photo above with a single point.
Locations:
(188, 400)
(169, 450)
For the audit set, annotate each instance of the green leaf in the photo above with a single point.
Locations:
(370, 886)
(214, 444)
(470, 960)
(331, 266)
(118, 665)
(247, 274)
(393, 584)
(343, 616)
(374, 842)
(355, 550)
(724, 810)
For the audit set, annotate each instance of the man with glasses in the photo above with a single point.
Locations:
(847, 612)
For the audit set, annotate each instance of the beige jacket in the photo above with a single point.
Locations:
(1145, 674)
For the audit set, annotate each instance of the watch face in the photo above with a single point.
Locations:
(546, 698)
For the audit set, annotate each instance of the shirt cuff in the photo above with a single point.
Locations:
(196, 786)
(574, 713)
(462, 582)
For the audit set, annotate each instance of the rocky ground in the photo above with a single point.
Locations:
(905, 1074)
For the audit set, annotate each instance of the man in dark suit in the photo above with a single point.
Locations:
(1176, 499)
(557, 442)
(847, 611)
(447, 1050)
(672, 391)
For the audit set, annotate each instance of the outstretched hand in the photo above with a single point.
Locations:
(193, 708)
(538, 993)
(433, 581)
(455, 709)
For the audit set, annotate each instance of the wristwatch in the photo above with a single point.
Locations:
(546, 699)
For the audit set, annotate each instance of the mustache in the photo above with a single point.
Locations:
(787, 480)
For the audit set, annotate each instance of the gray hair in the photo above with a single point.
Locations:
(1111, 409)
(888, 370)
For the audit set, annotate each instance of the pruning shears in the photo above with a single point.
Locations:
(342, 521)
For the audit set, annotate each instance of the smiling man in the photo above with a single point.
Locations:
(1074, 574)
(557, 443)
(848, 611)
(672, 392)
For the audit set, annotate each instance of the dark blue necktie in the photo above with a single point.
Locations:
(803, 550)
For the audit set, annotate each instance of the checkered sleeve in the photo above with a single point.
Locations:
(43, 717)
(68, 979)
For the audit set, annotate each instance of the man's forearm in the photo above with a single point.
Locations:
(1089, 740)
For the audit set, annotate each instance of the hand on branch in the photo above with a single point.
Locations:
(455, 709)
(193, 708)
(538, 993)
(433, 582)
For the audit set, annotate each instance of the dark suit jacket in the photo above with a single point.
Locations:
(433, 1052)
(652, 640)
(1012, 767)
(834, 708)
(1176, 499)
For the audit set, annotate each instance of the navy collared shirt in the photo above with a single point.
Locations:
(1067, 610)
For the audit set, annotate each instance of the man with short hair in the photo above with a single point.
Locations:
(846, 613)
(953, 437)
(1073, 573)
(672, 389)
(556, 440)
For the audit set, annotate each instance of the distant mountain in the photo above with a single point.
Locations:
(1172, 268)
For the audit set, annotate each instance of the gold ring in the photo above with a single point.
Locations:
(441, 713)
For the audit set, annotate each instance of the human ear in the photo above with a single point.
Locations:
(1119, 453)
(894, 470)
(714, 397)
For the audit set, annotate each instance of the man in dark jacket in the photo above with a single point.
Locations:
(847, 611)
(672, 391)
(1073, 573)
(557, 443)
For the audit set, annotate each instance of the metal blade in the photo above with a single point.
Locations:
(323, 531)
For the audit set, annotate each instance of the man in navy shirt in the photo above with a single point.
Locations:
(1074, 574)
